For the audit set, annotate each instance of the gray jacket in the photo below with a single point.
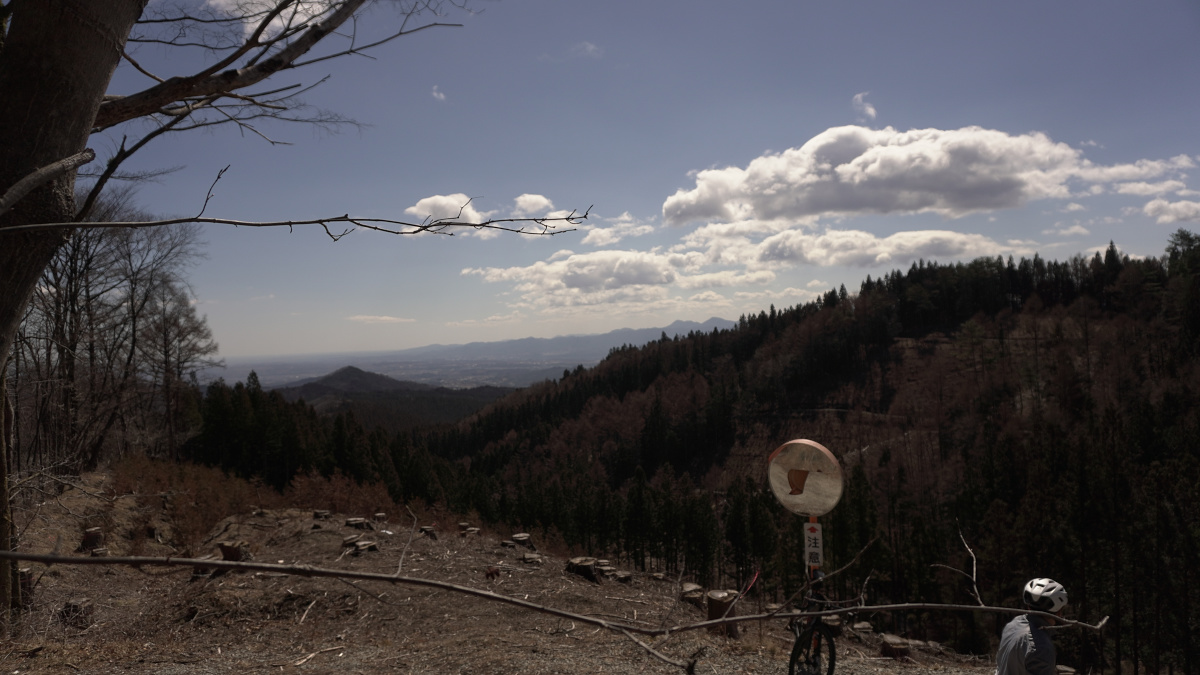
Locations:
(1026, 649)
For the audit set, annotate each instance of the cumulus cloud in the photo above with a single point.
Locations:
(1144, 189)
(862, 107)
(456, 207)
(438, 94)
(638, 280)
(854, 248)
(531, 205)
(619, 228)
(854, 170)
(374, 319)
(1166, 212)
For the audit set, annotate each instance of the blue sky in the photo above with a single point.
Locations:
(735, 155)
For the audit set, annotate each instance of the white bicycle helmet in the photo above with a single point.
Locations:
(1046, 595)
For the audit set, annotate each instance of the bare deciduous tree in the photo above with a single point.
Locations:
(57, 58)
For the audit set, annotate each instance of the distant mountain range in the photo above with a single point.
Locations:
(505, 363)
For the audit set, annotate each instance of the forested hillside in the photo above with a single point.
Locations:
(1043, 413)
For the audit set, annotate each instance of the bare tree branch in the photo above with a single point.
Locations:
(971, 576)
(530, 226)
(206, 83)
(42, 176)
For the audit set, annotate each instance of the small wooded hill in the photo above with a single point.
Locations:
(394, 405)
(1043, 412)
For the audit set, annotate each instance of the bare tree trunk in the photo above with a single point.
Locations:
(56, 63)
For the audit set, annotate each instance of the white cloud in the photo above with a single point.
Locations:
(862, 107)
(1173, 212)
(816, 283)
(1073, 207)
(620, 227)
(374, 319)
(855, 170)
(855, 248)
(495, 319)
(456, 207)
(1064, 230)
(438, 94)
(530, 205)
(587, 49)
(1144, 189)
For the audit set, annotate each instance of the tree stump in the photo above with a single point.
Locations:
(359, 523)
(584, 567)
(362, 546)
(508, 543)
(863, 627)
(93, 537)
(235, 551)
(893, 646)
(381, 517)
(623, 577)
(321, 514)
(531, 558)
(523, 539)
(470, 531)
(692, 594)
(101, 552)
(463, 527)
(347, 542)
(201, 572)
(26, 581)
(77, 613)
(834, 623)
(428, 531)
(720, 605)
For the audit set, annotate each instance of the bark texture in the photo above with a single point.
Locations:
(58, 57)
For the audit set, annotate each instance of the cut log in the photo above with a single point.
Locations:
(720, 606)
(93, 537)
(894, 646)
(235, 551)
(77, 613)
(100, 552)
(584, 567)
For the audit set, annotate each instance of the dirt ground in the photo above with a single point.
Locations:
(166, 620)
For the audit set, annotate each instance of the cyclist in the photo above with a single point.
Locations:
(1025, 648)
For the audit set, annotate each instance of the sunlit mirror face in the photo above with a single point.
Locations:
(805, 477)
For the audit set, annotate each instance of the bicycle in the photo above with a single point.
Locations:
(813, 653)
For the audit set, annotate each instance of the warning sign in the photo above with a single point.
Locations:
(813, 549)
